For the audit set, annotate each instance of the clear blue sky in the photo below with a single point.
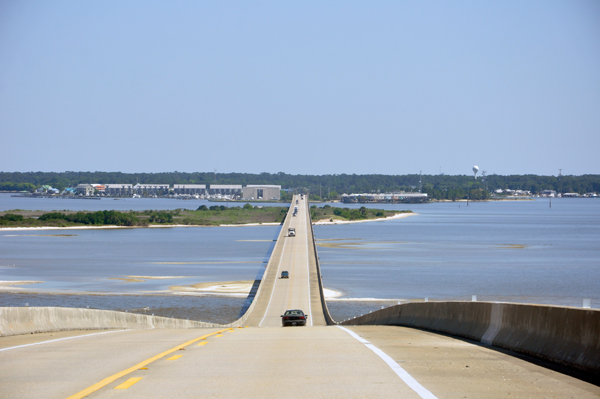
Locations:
(391, 87)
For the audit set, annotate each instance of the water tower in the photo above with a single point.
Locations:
(475, 170)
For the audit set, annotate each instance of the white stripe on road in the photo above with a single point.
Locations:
(407, 378)
(60, 339)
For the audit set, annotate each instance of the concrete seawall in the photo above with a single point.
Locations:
(25, 320)
(565, 336)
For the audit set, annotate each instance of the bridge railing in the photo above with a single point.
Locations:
(328, 319)
(562, 335)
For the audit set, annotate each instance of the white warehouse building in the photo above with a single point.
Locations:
(191, 189)
(262, 192)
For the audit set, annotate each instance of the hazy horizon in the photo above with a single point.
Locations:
(308, 88)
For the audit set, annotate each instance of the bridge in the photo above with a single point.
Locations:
(427, 350)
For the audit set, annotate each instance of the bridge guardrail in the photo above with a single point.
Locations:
(328, 319)
(562, 335)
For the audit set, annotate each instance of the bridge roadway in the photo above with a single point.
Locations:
(263, 360)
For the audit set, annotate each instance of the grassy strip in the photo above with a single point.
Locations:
(203, 216)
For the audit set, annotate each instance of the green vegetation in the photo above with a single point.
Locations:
(328, 212)
(100, 218)
(326, 187)
(10, 218)
(8, 186)
(204, 216)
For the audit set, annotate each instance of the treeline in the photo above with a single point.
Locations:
(9, 186)
(325, 186)
(99, 218)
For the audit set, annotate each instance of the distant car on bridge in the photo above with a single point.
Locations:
(285, 274)
(294, 317)
(291, 232)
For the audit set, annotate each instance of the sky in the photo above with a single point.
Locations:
(312, 87)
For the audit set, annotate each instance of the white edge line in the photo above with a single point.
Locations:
(61, 339)
(276, 274)
(407, 378)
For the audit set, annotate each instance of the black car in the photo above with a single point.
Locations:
(294, 317)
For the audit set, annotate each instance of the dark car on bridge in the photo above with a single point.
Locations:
(285, 274)
(294, 317)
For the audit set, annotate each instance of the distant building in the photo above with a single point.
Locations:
(262, 192)
(100, 187)
(190, 189)
(86, 190)
(225, 189)
(383, 198)
(151, 189)
(548, 193)
(118, 189)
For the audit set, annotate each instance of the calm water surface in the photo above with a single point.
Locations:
(518, 251)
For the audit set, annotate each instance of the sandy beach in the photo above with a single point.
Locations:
(231, 288)
(396, 216)
(158, 226)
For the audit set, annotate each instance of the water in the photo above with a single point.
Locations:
(8, 202)
(517, 251)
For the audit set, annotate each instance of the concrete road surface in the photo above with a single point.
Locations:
(301, 289)
(294, 362)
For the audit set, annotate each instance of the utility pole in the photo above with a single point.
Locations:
(420, 180)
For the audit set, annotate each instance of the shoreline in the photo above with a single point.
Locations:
(168, 226)
(396, 216)
(239, 289)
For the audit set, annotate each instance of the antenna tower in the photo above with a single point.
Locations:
(420, 180)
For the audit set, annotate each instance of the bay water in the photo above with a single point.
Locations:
(515, 251)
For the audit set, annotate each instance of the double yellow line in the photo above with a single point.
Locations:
(146, 362)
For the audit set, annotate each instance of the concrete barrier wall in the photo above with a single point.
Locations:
(328, 319)
(25, 320)
(562, 335)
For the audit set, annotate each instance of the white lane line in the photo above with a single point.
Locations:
(276, 274)
(60, 339)
(407, 378)
(307, 267)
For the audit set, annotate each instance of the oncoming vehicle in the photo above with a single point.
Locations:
(291, 232)
(294, 317)
(285, 274)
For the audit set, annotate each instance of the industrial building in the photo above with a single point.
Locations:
(262, 192)
(383, 198)
(118, 189)
(151, 189)
(191, 189)
(225, 189)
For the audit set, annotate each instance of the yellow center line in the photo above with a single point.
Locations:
(175, 357)
(202, 343)
(128, 383)
(146, 362)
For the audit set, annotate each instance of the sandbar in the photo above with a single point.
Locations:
(10, 285)
(396, 216)
(165, 226)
